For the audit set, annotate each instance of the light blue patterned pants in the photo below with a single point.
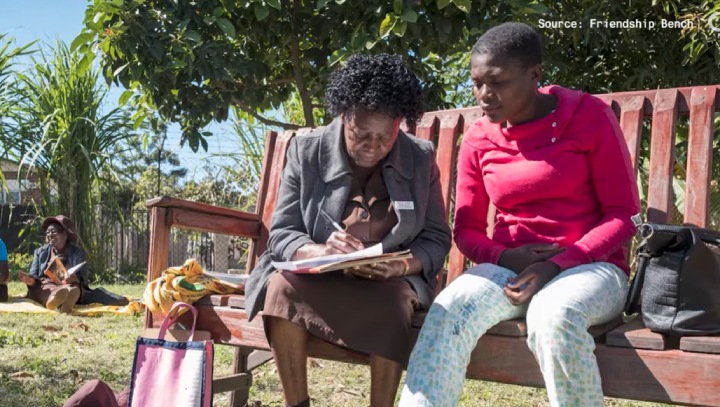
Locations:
(557, 320)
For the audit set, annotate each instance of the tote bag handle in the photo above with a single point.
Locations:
(172, 316)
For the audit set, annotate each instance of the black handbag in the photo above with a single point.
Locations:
(676, 287)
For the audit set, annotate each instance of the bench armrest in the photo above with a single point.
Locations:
(167, 213)
(184, 214)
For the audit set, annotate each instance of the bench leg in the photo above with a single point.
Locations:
(239, 397)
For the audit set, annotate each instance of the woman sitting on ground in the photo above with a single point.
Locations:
(65, 292)
(554, 163)
(383, 185)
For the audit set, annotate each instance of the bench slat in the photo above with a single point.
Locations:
(631, 123)
(456, 263)
(702, 344)
(447, 148)
(257, 246)
(634, 335)
(700, 155)
(451, 126)
(662, 147)
(427, 128)
(233, 382)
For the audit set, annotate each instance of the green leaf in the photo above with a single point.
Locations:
(98, 16)
(476, 31)
(387, 25)
(274, 4)
(409, 16)
(340, 2)
(204, 143)
(226, 26)
(125, 96)
(85, 63)
(183, 25)
(120, 69)
(399, 28)
(261, 11)
(398, 6)
(138, 122)
(194, 36)
(321, 4)
(536, 9)
(192, 141)
(441, 4)
(464, 5)
(81, 39)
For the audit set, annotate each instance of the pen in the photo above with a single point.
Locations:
(335, 224)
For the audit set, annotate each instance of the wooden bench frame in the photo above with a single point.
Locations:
(634, 363)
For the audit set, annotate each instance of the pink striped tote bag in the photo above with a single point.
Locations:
(168, 373)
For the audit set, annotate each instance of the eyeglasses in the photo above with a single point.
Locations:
(51, 233)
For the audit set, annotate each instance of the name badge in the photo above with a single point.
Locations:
(404, 205)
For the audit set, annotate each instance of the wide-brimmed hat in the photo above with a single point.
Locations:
(64, 222)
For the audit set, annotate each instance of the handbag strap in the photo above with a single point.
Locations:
(172, 315)
(632, 301)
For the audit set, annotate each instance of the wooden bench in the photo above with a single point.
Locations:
(634, 363)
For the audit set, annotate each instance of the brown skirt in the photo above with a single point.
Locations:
(367, 316)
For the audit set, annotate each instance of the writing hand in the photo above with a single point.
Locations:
(341, 242)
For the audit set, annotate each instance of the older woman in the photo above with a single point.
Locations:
(61, 238)
(383, 186)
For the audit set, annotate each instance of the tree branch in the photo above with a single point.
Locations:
(245, 108)
(297, 68)
(281, 81)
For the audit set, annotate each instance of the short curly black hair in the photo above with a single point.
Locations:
(517, 41)
(378, 83)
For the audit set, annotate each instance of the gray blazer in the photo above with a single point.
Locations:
(317, 177)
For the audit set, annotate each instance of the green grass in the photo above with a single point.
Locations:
(44, 358)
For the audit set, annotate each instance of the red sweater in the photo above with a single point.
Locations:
(565, 178)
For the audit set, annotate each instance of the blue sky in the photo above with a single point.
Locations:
(49, 20)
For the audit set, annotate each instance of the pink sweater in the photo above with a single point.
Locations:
(564, 178)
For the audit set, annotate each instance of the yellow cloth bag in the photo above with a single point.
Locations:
(186, 284)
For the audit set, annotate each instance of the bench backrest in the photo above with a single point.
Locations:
(658, 111)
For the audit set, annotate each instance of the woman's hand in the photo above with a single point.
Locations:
(72, 279)
(338, 243)
(341, 243)
(522, 288)
(379, 271)
(27, 279)
(520, 258)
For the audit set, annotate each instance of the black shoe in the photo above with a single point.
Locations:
(3, 293)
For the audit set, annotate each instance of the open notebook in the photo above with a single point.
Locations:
(371, 255)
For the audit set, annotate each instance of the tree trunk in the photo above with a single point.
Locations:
(297, 69)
